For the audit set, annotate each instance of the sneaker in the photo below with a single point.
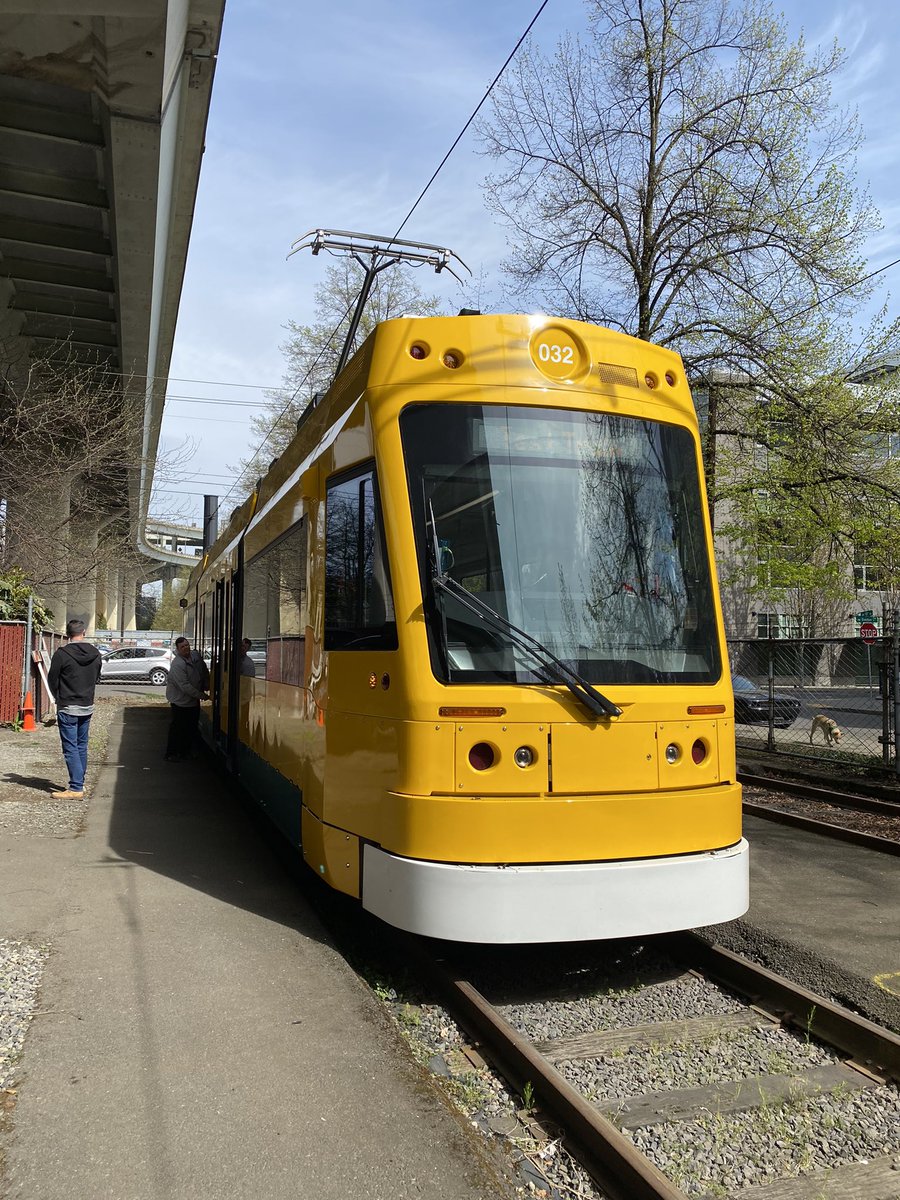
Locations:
(67, 795)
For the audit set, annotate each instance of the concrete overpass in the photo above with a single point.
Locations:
(103, 111)
(182, 543)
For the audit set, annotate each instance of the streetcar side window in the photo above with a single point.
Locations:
(190, 623)
(359, 605)
(275, 611)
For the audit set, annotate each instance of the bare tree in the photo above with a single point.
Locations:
(681, 173)
(312, 351)
(71, 444)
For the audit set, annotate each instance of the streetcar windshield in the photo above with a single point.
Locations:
(582, 529)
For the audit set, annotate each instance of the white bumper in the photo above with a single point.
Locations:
(557, 902)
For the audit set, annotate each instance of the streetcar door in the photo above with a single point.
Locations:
(234, 659)
(218, 657)
(361, 648)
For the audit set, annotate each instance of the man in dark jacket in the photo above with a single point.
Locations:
(74, 671)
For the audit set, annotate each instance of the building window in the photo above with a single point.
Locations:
(866, 578)
(781, 625)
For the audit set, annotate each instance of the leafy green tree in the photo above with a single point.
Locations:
(145, 610)
(169, 613)
(312, 351)
(14, 595)
(807, 478)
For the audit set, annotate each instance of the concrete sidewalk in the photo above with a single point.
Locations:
(197, 1035)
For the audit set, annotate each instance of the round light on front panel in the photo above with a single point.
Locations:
(673, 753)
(698, 751)
(524, 756)
(452, 359)
(418, 350)
(481, 756)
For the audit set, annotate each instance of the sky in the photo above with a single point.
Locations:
(336, 116)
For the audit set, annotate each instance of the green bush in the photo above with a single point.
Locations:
(14, 594)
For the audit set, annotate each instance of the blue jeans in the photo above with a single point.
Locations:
(73, 733)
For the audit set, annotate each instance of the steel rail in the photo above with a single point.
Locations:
(886, 808)
(614, 1163)
(867, 1042)
(871, 841)
(621, 1170)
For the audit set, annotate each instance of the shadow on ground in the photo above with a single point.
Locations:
(190, 822)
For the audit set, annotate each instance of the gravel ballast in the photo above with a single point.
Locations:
(568, 994)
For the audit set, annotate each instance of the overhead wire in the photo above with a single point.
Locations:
(838, 292)
(402, 224)
(215, 400)
(472, 117)
(294, 394)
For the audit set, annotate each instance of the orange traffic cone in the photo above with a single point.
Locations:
(28, 714)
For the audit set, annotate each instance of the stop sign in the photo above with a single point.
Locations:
(868, 632)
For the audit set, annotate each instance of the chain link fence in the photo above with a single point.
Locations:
(829, 701)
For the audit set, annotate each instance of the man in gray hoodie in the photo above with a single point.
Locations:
(186, 687)
(73, 675)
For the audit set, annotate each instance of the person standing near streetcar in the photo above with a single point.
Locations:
(185, 688)
(73, 675)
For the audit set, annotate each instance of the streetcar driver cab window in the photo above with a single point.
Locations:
(359, 607)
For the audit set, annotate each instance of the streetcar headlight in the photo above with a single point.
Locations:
(673, 753)
(524, 756)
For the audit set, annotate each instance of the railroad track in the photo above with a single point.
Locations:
(712, 1098)
(828, 795)
(825, 811)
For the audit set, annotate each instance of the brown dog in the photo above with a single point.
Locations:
(827, 727)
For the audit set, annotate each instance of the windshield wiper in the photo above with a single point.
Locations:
(552, 669)
(433, 548)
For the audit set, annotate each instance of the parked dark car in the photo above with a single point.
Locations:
(751, 705)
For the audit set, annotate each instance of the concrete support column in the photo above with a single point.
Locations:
(111, 597)
(100, 599)
(130, 581)
(82, 598)
(51, 540)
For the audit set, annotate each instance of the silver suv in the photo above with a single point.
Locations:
(137, 662)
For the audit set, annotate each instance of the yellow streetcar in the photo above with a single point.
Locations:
(487, 690)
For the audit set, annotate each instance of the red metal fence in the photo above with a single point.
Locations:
(12, 660)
